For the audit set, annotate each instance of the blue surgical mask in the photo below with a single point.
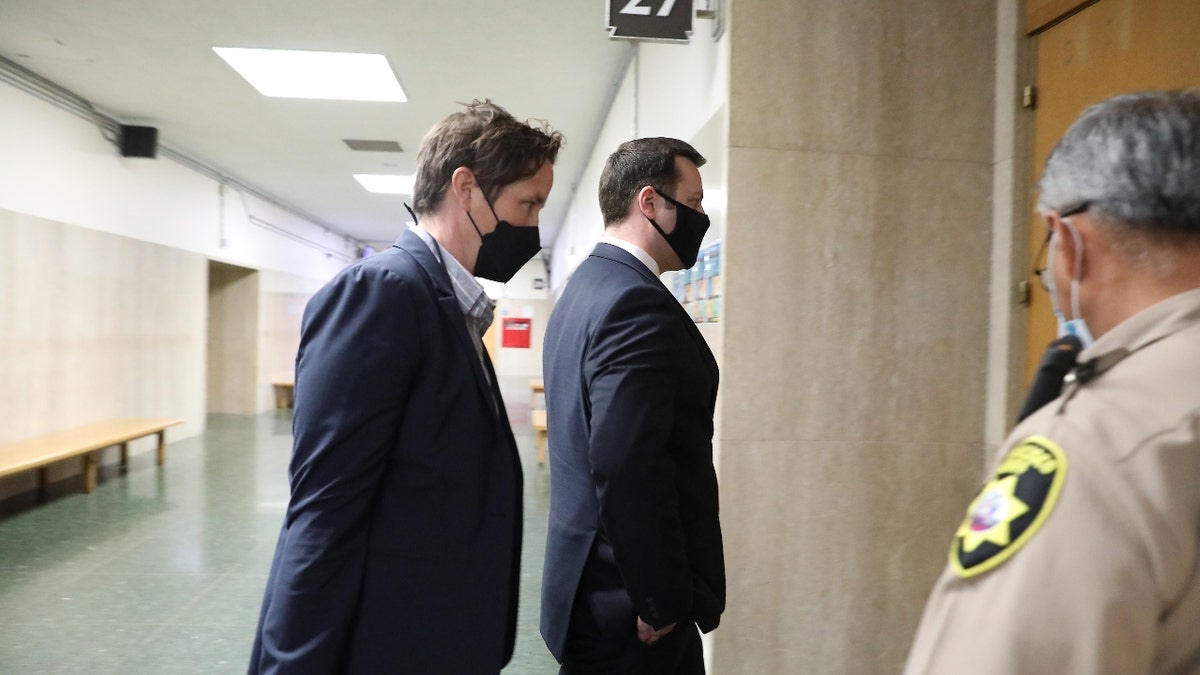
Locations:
(1075, 326)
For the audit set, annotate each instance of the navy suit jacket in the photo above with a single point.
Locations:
(400, 548)
(630, 390)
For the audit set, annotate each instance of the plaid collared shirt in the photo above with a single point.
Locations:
(477, 308)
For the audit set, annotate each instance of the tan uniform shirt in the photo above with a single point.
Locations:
(1081, 554)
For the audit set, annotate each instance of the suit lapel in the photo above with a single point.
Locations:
(619, 255)
(451, 312)
(501, 411)
(706, 354)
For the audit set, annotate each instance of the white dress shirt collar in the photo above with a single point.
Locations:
(633, 250)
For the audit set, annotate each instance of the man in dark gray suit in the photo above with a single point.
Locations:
(401, 542)
(633, 556)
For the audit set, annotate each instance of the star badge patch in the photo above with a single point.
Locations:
(1011, 507)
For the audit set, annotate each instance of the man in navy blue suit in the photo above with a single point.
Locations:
(400, 547)
(634, 561)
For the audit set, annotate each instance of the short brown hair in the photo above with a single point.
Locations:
(636, 164)
(486, 139)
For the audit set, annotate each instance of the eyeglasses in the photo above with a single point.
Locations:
(1040, 268)
(1039, 263)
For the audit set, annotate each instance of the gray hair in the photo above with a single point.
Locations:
(1134, 160)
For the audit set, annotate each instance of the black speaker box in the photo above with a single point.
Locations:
(138, 141)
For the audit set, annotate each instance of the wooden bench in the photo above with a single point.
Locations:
(539, 425)
(285, 393)
(536, 387)
(42, 451)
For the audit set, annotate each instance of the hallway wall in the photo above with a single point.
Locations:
(103, 279)
(675, 90)
(103, 268)
(232, 364)
(253, 334)
(855, 327)
(526, 295)
(516, 361)
(282, 299)
(95, 326)
(59, 167)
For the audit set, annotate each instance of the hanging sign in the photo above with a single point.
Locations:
(650, 19)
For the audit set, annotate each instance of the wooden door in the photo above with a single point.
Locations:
(1106, 48)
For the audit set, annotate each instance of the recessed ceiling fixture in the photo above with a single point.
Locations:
(372, 146)
(341, 76)
(386, 184)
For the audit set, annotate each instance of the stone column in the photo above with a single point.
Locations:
(855, 322)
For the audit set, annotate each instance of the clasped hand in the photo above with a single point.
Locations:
(648, 635)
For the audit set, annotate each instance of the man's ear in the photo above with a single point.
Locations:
(1053, 224)
(1067, 253)
(645, 201)
(462, 182)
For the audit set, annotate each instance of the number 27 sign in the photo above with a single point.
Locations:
(650, 19)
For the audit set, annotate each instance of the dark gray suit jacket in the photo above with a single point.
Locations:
(400, 548)
(630, 390)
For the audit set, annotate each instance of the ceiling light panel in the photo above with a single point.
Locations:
(341, 76)
(386, 184)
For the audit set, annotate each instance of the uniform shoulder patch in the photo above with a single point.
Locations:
(1011, 507)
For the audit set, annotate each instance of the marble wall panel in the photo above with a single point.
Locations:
(856, 297)
(95, 326)
(835, 549)
(909, 78)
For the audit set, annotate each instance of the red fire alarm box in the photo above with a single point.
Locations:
(515, 333)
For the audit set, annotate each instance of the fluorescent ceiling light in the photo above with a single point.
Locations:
(385, 184)
(287, 73)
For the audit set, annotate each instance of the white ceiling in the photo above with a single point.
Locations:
(150, 62)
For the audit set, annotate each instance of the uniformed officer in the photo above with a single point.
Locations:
(1081, 554)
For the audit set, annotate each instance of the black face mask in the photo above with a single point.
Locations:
(506, 249)
(685, 239)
